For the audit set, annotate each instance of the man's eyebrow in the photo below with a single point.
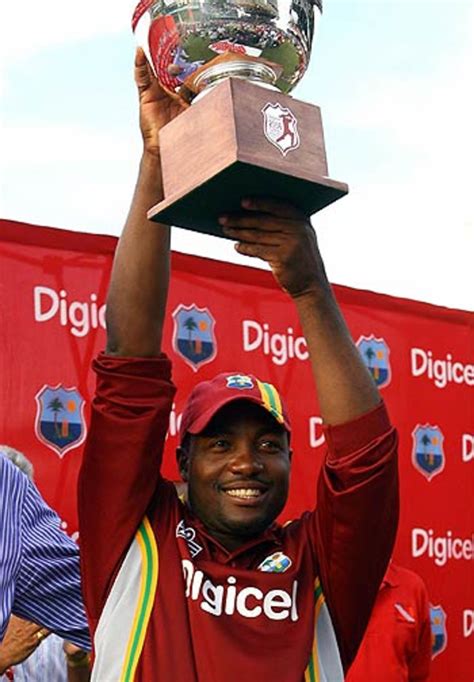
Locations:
(228, 430)
(274, 430)
(218, 430)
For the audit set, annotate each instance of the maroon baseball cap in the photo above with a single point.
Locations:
(210, 396)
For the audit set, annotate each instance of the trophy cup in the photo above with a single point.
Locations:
(235, 61)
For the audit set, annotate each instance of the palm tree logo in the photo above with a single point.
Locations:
(370, 355)
(56, 406)
(425, 440)
(190, 324)
(374, 369)
(195, 343)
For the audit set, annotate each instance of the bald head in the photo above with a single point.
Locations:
(18, 459)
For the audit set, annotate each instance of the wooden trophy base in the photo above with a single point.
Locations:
(242, 140)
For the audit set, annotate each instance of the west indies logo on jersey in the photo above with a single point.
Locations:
(59, 420)
(439, 634)
(280, 126)
(275, 563)
(428, 453)
(375, 354)
(193, 335)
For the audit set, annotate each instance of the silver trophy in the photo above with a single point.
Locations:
(235, 61)
(194, 45)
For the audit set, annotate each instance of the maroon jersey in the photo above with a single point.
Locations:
(167, 602)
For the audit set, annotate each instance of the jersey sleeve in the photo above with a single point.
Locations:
(356, 521)
(121, 464)
(48, 585)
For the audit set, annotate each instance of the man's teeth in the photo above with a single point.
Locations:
(244, 493)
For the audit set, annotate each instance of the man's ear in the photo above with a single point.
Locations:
(182, 457)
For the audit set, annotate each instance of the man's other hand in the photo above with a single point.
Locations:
(21, 639)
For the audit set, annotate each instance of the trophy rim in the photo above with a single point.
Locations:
(179, 41)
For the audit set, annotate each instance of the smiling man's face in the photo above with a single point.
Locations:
(238, 472)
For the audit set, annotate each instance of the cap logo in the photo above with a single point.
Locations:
(240, 381)
(269, 396)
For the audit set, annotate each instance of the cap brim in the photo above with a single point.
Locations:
(205, 417)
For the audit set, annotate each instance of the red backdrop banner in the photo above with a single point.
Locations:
(227, 317)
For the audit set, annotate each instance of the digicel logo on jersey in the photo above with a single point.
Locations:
(228, 599)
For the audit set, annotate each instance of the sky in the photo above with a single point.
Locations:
(394, 83)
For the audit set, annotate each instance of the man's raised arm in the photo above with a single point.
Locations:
(357, 503)
(281, 235)
(130, 411)
(140, 276)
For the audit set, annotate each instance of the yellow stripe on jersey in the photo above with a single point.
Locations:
(148, 584)
(312, 671)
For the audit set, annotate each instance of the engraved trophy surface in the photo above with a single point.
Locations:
(235, 61)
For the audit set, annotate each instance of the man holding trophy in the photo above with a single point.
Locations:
(212, 588)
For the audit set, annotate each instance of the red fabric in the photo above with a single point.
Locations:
(74, 268)
(341, 541)
(397, 644)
